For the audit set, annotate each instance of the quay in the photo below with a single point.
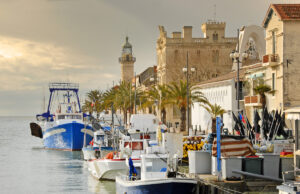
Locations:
(209, 183)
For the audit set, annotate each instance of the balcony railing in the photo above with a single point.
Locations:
(271, 59)
(252, 100)
(126, 59)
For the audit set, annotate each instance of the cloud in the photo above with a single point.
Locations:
(29, 65)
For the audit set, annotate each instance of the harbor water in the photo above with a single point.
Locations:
(26, 167)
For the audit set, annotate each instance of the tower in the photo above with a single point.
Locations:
(127, 61)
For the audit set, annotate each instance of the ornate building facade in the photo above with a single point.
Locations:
(127, 62)
(208, 55)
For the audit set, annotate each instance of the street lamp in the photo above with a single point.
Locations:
(235, 56)
(186, 71)
(158, 105)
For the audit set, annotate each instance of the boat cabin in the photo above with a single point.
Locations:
(136, 146)
(100, 139)
(154, 166)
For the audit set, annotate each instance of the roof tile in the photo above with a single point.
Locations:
(287, 11)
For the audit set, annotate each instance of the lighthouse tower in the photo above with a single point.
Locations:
(127, 62)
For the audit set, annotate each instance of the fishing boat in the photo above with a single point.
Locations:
(156, 176)
(101, 145)
(62, 127)
(114, 163)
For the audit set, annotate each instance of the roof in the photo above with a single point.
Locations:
(284, 12)
(230, 75)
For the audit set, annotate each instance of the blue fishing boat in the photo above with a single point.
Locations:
(62, 127)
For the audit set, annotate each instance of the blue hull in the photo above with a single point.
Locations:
(69, 136)
(150, 187)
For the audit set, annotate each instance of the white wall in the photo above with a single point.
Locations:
(221, 94)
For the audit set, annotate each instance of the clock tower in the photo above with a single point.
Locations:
(127, 61)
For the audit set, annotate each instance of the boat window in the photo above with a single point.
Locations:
(61, 117)
(134, 145)
(68, 117)
(76, 116)
(100, 137)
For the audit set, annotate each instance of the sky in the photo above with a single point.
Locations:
(43, 41)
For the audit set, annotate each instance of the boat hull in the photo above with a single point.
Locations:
(166, 186)
(67, 136)
(108, 169)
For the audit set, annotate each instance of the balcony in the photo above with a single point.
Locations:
(271, 60)
(252, 101)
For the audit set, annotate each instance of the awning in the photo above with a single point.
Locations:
(293, 113)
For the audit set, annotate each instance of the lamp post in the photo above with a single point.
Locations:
(158, 104)
(186, 71)
(235, 56)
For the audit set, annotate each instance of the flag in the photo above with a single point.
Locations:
(242, 118)
(132, 170)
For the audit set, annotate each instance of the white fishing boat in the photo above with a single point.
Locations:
(142, 129)
(114, 163)
(99, 146)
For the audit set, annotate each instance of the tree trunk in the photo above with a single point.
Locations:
(163, 116)
(213, 125)
(183, 119)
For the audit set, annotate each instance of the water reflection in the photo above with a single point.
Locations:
(96, 186)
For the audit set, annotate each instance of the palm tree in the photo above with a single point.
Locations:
(177, 96)
(262, 89)
(160, 96)
(214, 111)
(94, 98)
(87, 106)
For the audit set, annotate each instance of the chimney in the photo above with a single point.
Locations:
(187, 32)
(176, 35)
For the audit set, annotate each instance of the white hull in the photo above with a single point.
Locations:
(108, 169)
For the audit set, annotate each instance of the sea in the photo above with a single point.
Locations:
(27, 167)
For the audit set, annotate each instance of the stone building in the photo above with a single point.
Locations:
(282, 62)
(209, 56)
(127, 62)
(282, 59)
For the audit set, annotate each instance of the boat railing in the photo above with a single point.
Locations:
(63, 86)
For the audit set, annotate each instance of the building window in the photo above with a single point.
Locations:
(273, 82)
(273, 43)
(198, 53)
(127, 57)
(215, 36)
